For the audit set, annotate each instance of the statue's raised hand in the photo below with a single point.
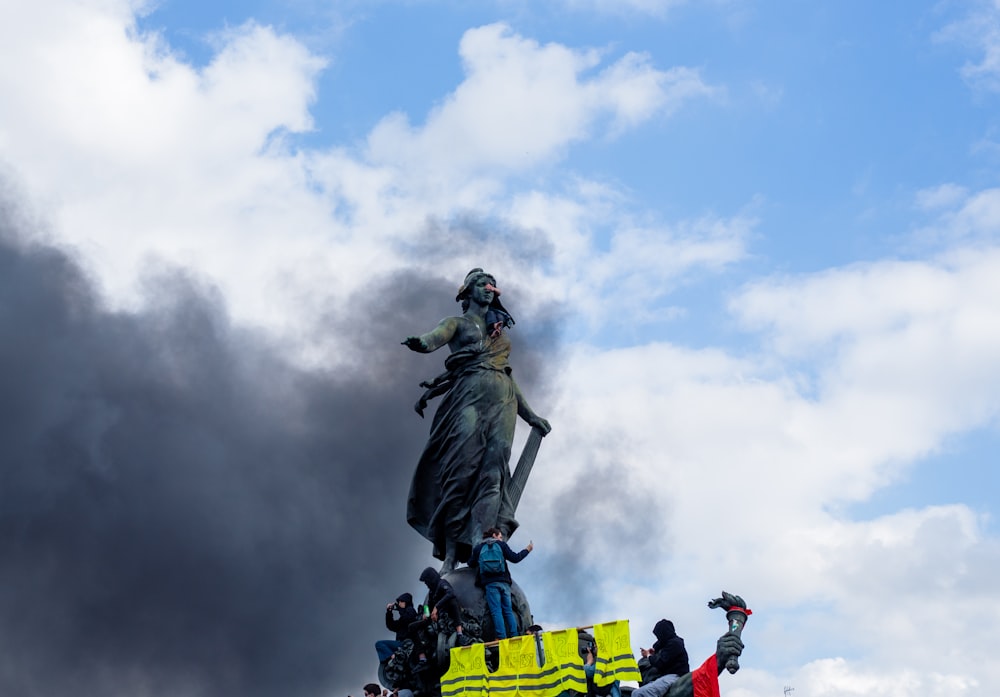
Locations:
(729, 646)
(415, 343)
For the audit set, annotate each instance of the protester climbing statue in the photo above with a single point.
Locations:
(462, 484)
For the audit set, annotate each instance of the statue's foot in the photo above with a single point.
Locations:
(450, 553)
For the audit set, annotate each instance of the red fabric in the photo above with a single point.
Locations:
(705, 680)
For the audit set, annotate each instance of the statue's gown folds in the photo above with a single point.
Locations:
(460, 484)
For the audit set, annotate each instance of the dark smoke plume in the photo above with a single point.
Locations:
(184, 512)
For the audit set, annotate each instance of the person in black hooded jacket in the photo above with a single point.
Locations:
(407, 616)
(441, 597)
(441, 603)
(667, 660)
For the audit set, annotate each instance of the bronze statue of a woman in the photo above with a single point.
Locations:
(460, 487)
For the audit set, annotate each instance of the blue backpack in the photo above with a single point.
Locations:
(491, 558)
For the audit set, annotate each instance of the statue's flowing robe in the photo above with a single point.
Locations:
(465, 465)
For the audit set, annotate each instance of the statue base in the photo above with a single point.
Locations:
(477, 626)
(472, 598)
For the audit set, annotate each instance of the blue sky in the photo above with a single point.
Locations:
(770, 230)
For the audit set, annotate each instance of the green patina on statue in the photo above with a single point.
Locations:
(462, 484)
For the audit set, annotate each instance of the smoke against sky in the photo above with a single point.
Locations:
(756, 294)
(183, 510)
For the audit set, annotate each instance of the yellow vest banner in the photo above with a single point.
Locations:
(563, 667)
(614, 654)
(518, 671)
(520, 675)
(466, 672)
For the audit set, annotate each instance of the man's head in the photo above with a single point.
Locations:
(430, 577)
(493, 533)
(404, 600)
(372, 690)
(664, 630)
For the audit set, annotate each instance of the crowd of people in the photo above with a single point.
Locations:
(410, 659)
(411, 666)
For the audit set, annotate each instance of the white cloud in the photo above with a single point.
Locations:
(655, 8)
(612, 270)
(942, 196)
(730, 477)
(978, 218)
(883, 299)
(133, 153)
(901, 356)
(737, 470)
(980, 30)
(838, 678)
(138, 155)
(522, 103)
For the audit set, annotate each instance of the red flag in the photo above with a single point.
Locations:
(705, 680)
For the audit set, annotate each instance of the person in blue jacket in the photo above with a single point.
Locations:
(490, 559)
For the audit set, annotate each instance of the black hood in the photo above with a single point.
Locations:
(405, 598)
(430, 577)
(664, 630)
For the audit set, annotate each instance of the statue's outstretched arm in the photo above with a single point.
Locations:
(728, 646)
(434, 339)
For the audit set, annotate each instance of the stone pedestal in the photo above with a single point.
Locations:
(473, 602)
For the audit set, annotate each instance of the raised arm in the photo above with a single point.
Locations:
(515, 557)
(728, 646)
(434, 339)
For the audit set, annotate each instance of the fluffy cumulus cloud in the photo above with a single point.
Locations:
(134, 153)
(139, 155)
(739, 468)
(522, 103)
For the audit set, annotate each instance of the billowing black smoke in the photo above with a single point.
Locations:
(183, 511)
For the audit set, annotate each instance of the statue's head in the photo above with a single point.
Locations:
(470, 280)
(497, 312)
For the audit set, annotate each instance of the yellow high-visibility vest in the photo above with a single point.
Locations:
(466, 673)
(614, 654)
(518, 671)
(563, 667)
